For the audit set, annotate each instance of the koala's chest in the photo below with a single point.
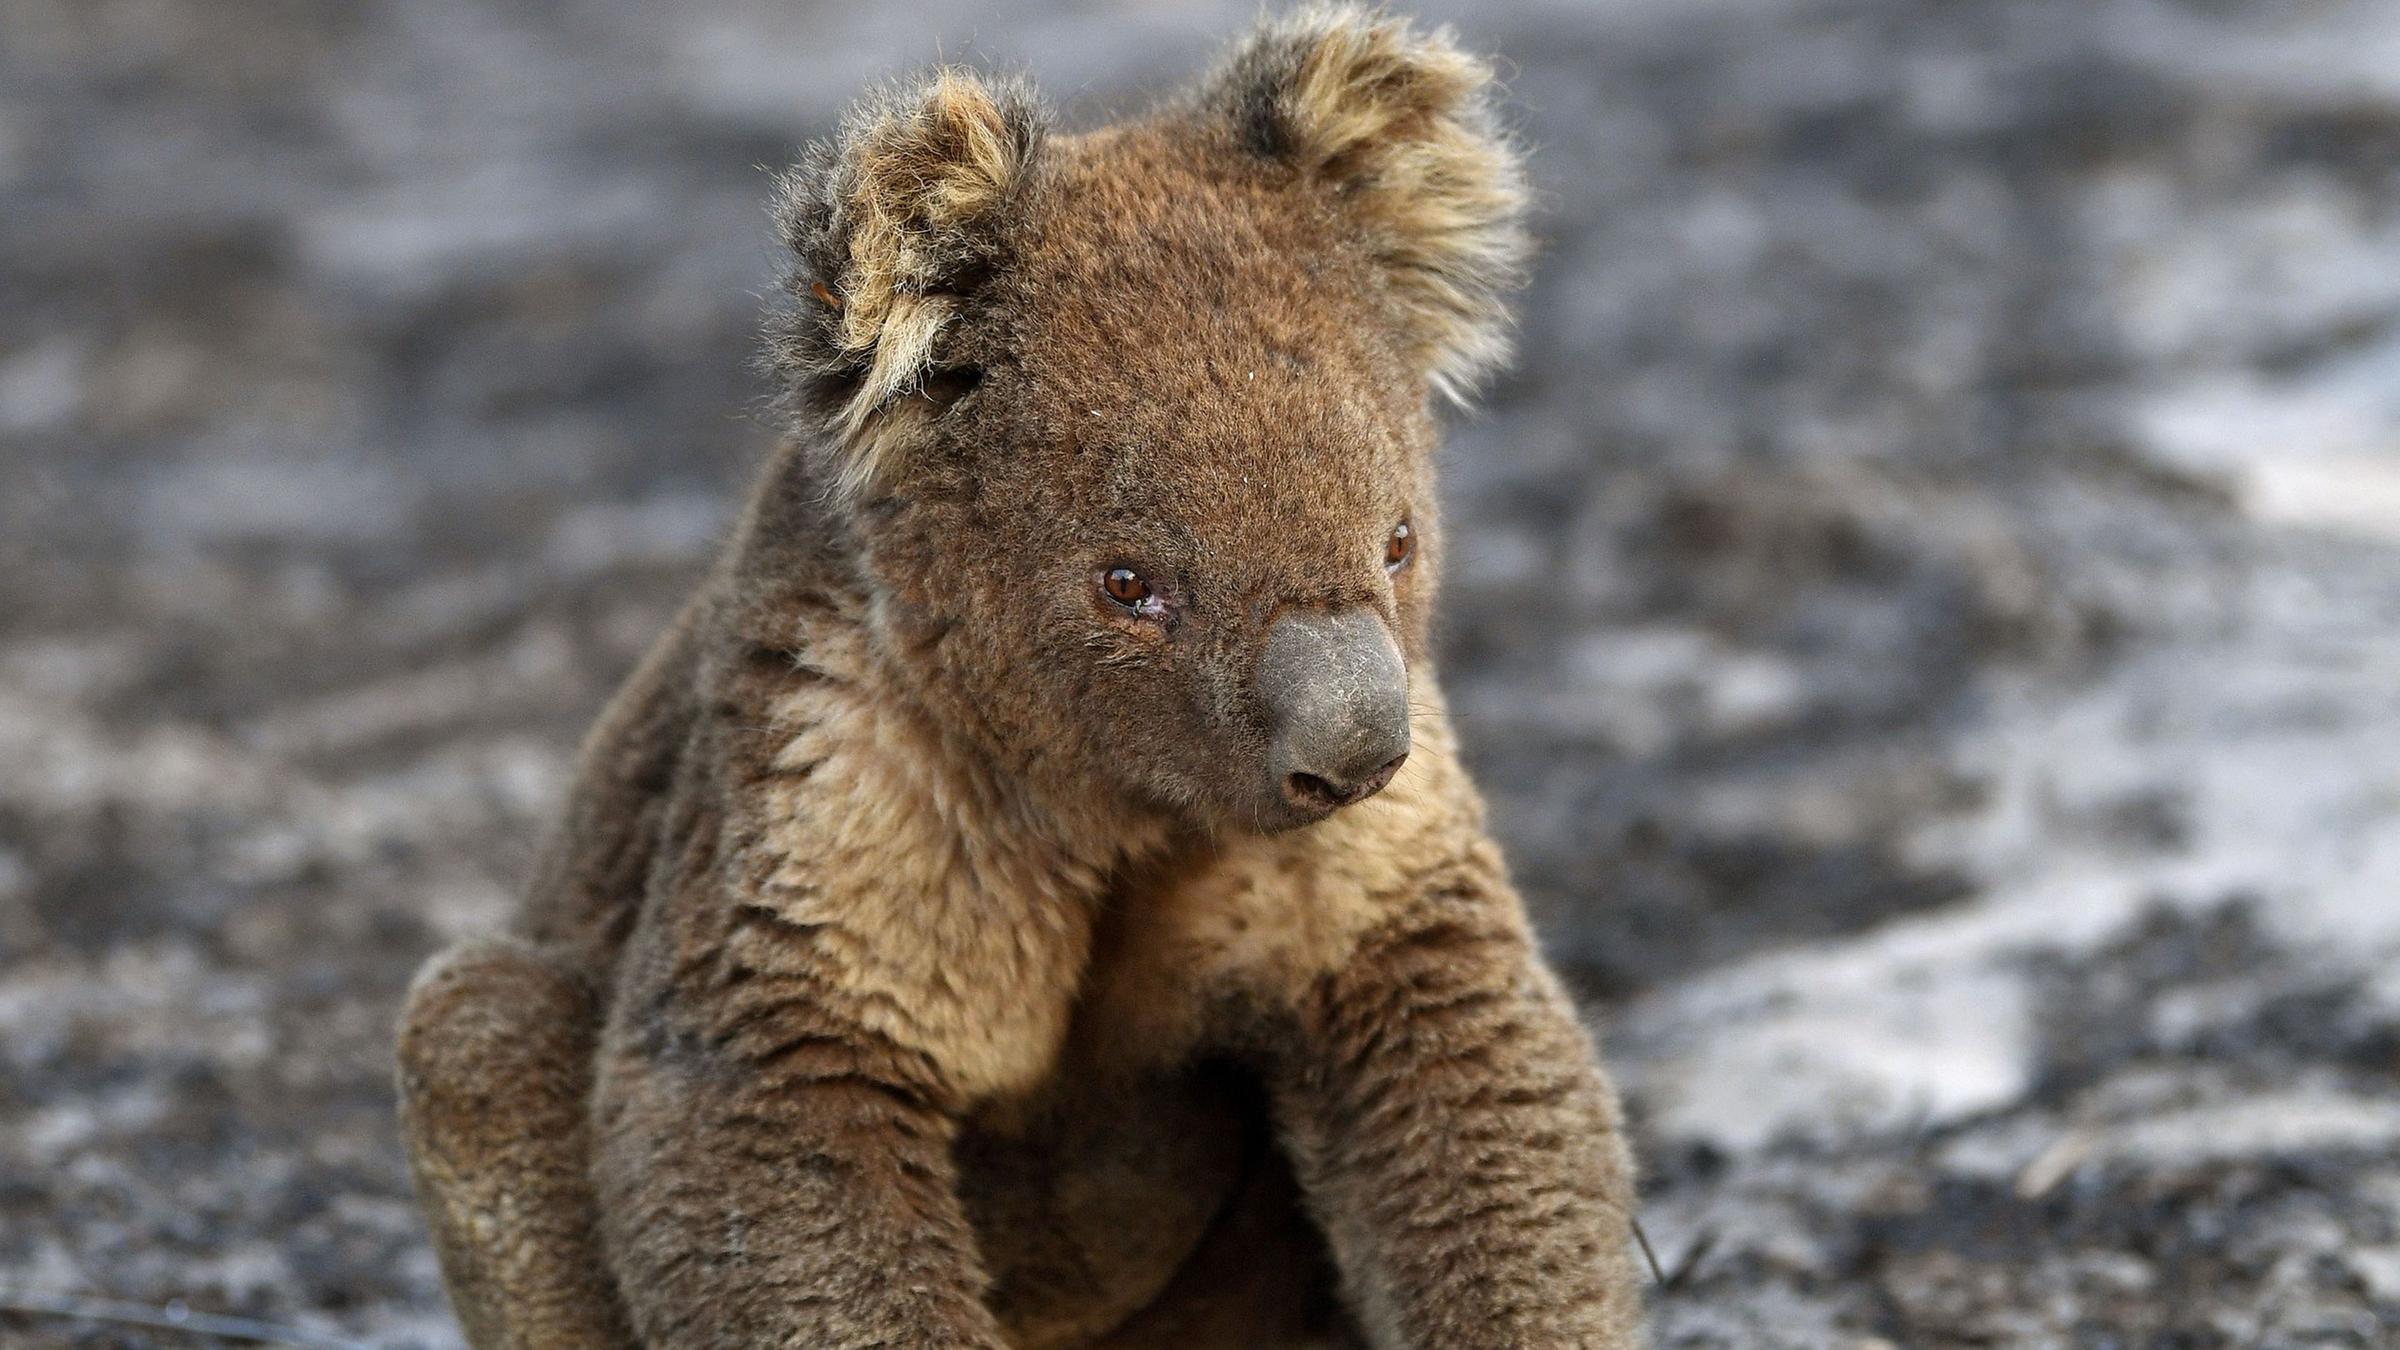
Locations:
(1152, 977)
(1006, 969)
(1190, 958)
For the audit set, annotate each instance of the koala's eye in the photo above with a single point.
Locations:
(1401, 547)
(945, 387)
(1125, 586)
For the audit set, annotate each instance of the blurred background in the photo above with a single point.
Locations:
(1923, 608)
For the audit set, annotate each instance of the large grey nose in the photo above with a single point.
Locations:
(1336, 692)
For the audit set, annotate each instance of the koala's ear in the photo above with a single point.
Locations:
(892, 224)
(1401, 125)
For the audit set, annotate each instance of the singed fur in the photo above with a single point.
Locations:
(916, 966)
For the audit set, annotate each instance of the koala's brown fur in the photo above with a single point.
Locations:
(936, 952)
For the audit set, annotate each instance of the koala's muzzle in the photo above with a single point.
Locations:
(1336, 693)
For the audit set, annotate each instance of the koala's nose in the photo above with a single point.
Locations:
(1336, 692)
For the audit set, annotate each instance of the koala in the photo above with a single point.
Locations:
(1030, 897)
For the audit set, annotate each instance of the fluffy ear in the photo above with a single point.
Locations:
(1401, 124)
(892, 224)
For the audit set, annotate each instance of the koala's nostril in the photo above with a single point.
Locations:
(1316, 793)
(1311, 793)
(1374, 782)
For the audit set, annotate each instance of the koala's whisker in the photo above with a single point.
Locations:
(767, 729)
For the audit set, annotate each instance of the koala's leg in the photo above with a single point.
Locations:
(772, 1173)
(495, 1071)
(1456, 1141)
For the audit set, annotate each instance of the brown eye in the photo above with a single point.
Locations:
(1125, 586)
(1398, 549)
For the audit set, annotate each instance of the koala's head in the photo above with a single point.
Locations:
(1135, 426)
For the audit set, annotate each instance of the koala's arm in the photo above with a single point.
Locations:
(773, 1173)
(1457, 1140)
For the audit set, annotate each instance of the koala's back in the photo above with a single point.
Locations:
(588, 888)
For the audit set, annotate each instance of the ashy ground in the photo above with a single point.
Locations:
(1927, 610)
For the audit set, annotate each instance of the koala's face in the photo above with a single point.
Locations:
(1196, 463)
(1190, 482)
(1140, 440)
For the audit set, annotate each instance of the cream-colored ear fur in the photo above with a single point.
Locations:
(1400, 123)
(891, 223)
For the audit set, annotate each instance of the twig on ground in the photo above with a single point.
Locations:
(1657, 1276)
(171, 1317)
